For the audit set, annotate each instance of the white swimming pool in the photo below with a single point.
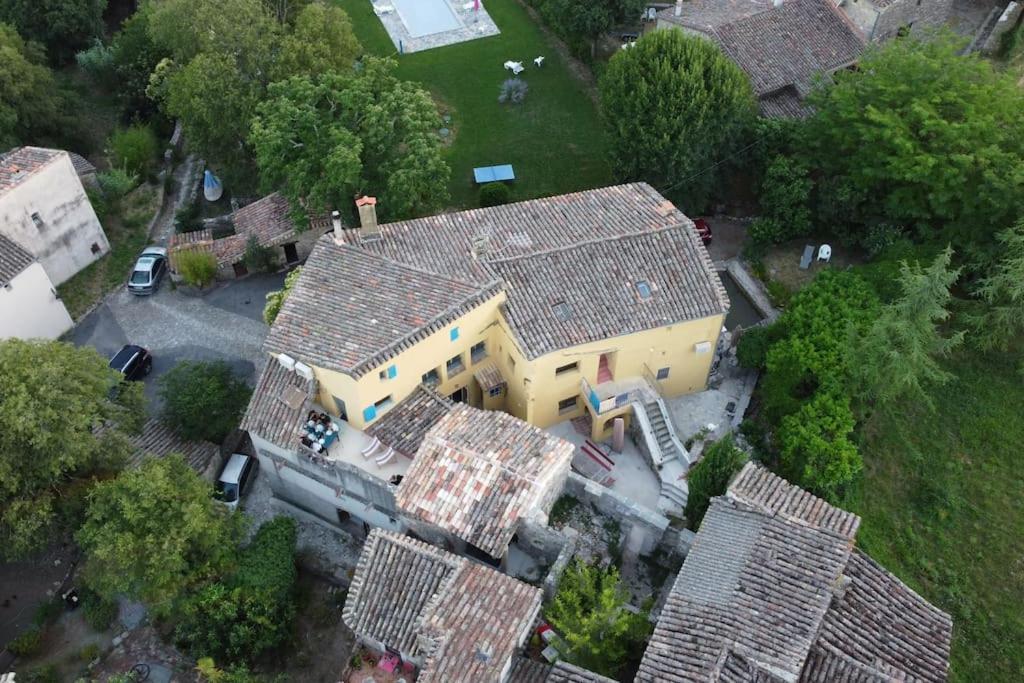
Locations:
(425, 17)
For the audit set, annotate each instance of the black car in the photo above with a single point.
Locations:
(134, 362)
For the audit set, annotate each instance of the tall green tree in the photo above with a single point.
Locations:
(1001, 320)
(896, 359)
(710, 477)
(592, 19)
(922, 136)
(323, 140)
(156, 533)
(589, 613)
(30, 103)
(321, 40)
(203, 400)
(815, 447)
(63, 26)
(135, 57)
(241, 29)
(61, 416)
(674, 105)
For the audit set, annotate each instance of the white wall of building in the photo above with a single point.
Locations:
(68, 235)
(29, 307)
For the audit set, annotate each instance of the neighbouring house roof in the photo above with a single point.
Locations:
(464, 620)
(14, 259)
(632, 283)
(21, 162)
(404, 426)
(279, 405)
(531, 671)
(267, 219)
(545, 249)
(781, 48)
(773, 590)
(351, 310)
(83, 167)
(488, 376)
(478, 472)
(157, 440)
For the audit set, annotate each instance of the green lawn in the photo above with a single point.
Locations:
(554, 139)
(942, 503)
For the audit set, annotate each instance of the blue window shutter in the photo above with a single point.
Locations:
(454, 334)
(369, 413)
(392, 372)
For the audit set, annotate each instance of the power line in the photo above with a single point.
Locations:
(709, 168)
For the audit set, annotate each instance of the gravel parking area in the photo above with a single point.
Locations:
(223, 324)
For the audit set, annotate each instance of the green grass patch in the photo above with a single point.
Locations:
(941, 503)
(554, 139)
(126, 231)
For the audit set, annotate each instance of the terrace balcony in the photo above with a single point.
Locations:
(346, 450)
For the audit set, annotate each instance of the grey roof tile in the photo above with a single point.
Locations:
(13, 259)
(407, 423)
(157, 440)
(269, 414)
(351, 310)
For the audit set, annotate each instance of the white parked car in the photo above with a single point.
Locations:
(149, 270)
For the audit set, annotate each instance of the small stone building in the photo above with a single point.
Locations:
(881, 20)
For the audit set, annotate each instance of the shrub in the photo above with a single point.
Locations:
(89, 652)
(710, 477)
(203, 399)
(134, 148)
(276, 299)
(494, 194)
(815, 446)
(28, 643)
(197, 268)
(99, 612)
(97, 61)
(259, 259)
(752, 349)
(252, 610)
(881, 237)
(513, 91)
(562, 508)
(1009, 41)
(187, 218)
(47, 673)
(779, 293)
(116, 183)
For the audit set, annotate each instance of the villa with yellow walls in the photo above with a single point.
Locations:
(550, 310)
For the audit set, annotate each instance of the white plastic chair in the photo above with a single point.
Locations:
(370, 448)
(387, 457)
(539, 61)
(825, 253)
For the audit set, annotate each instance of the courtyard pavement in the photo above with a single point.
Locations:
(224, 324)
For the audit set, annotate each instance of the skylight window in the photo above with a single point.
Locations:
(562, 311)
(643, 288)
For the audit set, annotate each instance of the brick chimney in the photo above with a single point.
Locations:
(679, 8)
(336, 225)
(368, 228)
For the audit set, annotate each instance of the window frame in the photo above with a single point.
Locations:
(448, 366)
(474, 357)
(567, 368)
(566, 408)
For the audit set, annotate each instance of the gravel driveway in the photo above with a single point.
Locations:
(224, 324)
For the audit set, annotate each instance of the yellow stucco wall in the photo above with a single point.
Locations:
(533, 389)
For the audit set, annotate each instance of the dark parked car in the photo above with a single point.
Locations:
(134, 362)
(703, 230)
(149, 270)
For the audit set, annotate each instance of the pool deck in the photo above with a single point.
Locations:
(472, 24)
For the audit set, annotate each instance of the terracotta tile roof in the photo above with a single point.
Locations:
(404, 426)
(772, 590)
(544, 245)
(157, 440)
(83, 166)
(267, 219)
(351, 310)
(879, 625)
(707, 15)
(230, 249)
(464, 619)
(784, 103)
(13, 259)
(195, 241)
(488, 376)
(269, 415)
(531, 671)
(769, 493)
(791, 44)
(632, 283)
(477, 473)
(20, 163)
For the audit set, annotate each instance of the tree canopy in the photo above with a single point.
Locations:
(815, 446)
(588, 612)
(674, 105)
(896, 358)
(321, 40)
(63, 26)
(30, 104)
(324, 140)
(921, 136)
(710, 477)
(203, 400)
(155, 533)
(1002, 293)
(61, 415)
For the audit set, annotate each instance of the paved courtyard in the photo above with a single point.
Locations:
(225, 324)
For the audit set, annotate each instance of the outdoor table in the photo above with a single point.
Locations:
(493, 174)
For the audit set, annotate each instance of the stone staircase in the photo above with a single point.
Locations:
(668, 456)
(977, 44)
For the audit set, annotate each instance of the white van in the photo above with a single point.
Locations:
(234, 479)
